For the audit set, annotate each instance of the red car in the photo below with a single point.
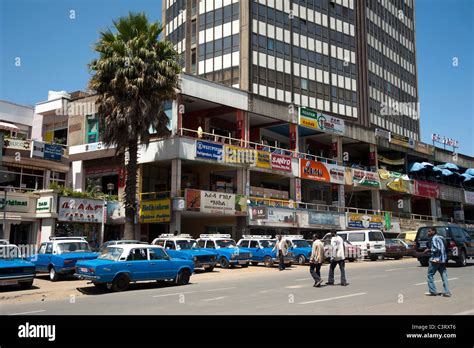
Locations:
(395, 249)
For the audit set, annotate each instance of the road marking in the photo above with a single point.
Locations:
(43, 310)
(471, 311)
(334, 298)
(192, 292)
(436, 281)
(214, 299)
(302, 279)
(293, 286)
(397, 269)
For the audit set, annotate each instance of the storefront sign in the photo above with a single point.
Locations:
(388, 220)
(280, 162)
(425, 189)
(115, 213)
(53, 152)
(258, 213)
(285, 216)
(437, 138)
(327, 219)
(80, 210)
(17, 144)
(394, 181)
(94, 147)
(402, 140)
(239, 155)
(16, 204)
(43, 205)
(365, 178)
(215, 202)
(263, 160)
(318, 121)
(449, 193)
(37, 149)
(209, 151)
(382, 133)
(155, 211)
(469, 197)
(319, 171)
(364, 221)
(298, 190)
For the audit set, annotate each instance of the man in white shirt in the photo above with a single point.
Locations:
(337, 258)
(281, 248)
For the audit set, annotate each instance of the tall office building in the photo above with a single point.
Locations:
(349, 58)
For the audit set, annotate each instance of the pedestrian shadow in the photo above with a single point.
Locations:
(16, 287)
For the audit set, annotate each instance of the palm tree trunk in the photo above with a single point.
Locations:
(131, 190)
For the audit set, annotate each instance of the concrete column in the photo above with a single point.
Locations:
(243, 181)
(341, 195)
(375, 196)
(176, 117)
(175, 223)
(47, 230)
(435, 208)
(337, 146)
(241, 227)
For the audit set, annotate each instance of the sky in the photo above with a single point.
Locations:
(47, 44)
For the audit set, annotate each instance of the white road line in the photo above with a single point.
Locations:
(192, 292)
(400, 268)
(471, 311)
(334, 298)
(40, 311)
(293, 287)
(214, 299)
(302, 279)
(436, 281)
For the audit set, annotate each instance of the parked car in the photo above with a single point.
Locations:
(471, 232)
(59, 255)
(299, 247)
(370, 242)
(351, 252)
(459, 243)
(13, 269)
(119, 265)
(408, 235)
(261, 248)
(118, 242)
(186, 247)
(228, 254)
(394, 249)
(409, 245)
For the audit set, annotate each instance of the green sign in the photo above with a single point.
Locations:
(388, 220)
(13, 203)
(43, 205)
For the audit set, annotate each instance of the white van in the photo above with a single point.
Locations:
(370, 242)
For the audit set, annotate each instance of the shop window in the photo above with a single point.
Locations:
(59, 178)
(21, 178)
(92, 135)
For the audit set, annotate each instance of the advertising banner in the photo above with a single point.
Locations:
(298, 189)
(327, 219)
(18, 204)
(425, 189)
(43, 205)
(263, 160)
(280, 162)
(318, 121)
(115, 213)
(365, 178)
(17, 144)
(319, 171)
(53, 152)
(469, 197)
(394, 181)
(155, 211)
(37, 149)
(80, 210)
(365, 221)
(239, 155)
(258, 213)
(449, 193)
(402, 140)
(209, 151)
(215, 202)
(393, 162)
(285, 216)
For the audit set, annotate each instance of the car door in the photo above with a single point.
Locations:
(469, 243)
(256, 251)
(138, 264)
(39, 258)
(44, 260)
(160, 266)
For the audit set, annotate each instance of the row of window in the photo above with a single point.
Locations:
(27, 179)
(219, 17)
(219, 47)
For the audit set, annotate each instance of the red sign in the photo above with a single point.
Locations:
(281, 162)
(426, 189)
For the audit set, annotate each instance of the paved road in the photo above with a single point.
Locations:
(382, 287)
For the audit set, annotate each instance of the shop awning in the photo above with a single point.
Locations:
(9, 127)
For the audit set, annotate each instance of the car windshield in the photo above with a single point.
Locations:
(423, 232)
(111, 253)
(73, 247)
(267, 243)
(376, 236)
(226, 243)
(9, 252)
(186, 244)
(301, 243)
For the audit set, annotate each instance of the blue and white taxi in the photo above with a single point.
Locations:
(119, 265)
(13, 269)
(261, 248)
(59, 255)
(186, 247)
(228, 253)
(299, 247)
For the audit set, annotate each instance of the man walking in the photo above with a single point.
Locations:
(281, 248)
(437, 262)
(316, 260)
(337, 258)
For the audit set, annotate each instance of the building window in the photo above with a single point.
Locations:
(21, 178)
(304, 84)
(92, 129)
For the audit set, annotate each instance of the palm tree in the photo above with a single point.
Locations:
(133, 77)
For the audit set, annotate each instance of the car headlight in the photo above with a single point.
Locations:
(233, 256)
(250, 255)
(195, 259)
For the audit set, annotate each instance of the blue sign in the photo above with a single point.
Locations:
(316, 218)
(53, 152)
(209, 151)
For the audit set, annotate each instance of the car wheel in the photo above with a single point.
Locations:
(254, 263)
(101, 286)
(26, 285)
(209, 269)
(461, 261)
(245, 265)
(301, 260)
(224, 262)
(372, 258)
(351, 260)
(120, 283)
(398, 257)
(268, 261)
(423, 262)
(53, 275)
(183, 277)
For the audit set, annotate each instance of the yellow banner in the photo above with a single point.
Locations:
(155, 211)
(263, 160)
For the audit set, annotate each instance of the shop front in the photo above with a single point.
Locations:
(154, 216)
(20, 225)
